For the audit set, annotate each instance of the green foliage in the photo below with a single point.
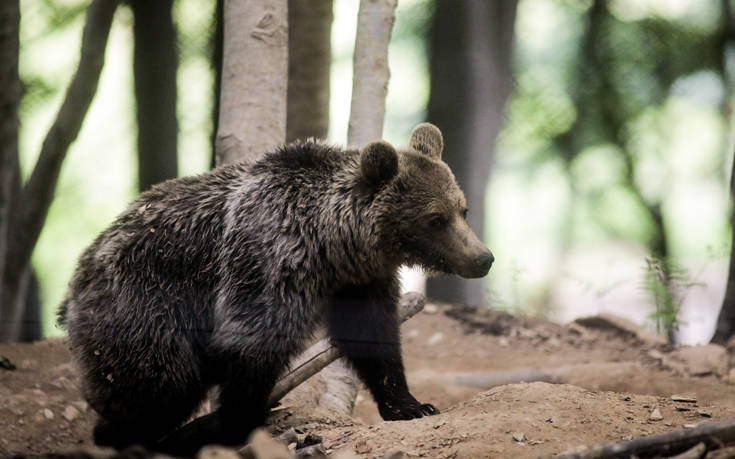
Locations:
(667, 284)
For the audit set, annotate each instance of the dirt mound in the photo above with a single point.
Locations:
(599, 385)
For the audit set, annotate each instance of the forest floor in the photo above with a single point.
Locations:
(596, 381)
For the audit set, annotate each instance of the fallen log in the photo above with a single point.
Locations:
(322, 353)
(713, 434)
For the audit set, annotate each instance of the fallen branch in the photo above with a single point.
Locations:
(713, 434)
(323, 353)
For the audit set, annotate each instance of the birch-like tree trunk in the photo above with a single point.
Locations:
(370, 72)
(252, 116)
(309, 58)
(30, 204)
(369, 89)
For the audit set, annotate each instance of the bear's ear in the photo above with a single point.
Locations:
(427, 139)
(378, 162)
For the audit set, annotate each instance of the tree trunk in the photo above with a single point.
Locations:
(471, 48)
(30, 206)
(309, 58)
(216, 45)
(154, 66)
(254, 79)
(370, 72)
(9, 124)
(367, 113)
(725, 326)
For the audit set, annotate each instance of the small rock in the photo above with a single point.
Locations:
(48, 414)
(503, 341)
(70, 413)
(704, 413)
(656, 415)
(362, 447)
(436, 338)
(520, 437)
(289, 436)
(217, 452)
(683, 399)
(431, 308)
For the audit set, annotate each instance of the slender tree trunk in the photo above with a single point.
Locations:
(471, 49)
(725, 326)
(309, 58)
(216, 44)
(367, 113)
(370, 70)
(30, 206)
(9, 125)
(154, 66)
(254, 79)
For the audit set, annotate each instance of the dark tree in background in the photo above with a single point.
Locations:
(30, 201)
(155, 63)
(725, 326)
(309, 59)
(471, 44)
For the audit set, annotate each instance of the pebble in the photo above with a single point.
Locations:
(520, 437)
(70, 413)
(48, 414)
(656, 415)
(436, 338)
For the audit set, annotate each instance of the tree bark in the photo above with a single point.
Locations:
(725, 326)
(254, 79)
(31, 206)
(154, 65)
(471, 47)
(216, 44)
(370, 71)
(367, 112)
(9, 123)
(309, 58)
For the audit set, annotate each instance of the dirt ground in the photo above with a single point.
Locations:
(595, 381)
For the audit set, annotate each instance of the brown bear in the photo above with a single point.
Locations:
(220, 279)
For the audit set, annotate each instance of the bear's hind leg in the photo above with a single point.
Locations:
(242, 407)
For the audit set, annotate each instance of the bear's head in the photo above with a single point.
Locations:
(421, 210)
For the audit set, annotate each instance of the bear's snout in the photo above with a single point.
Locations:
(479, 266)
(484, 262)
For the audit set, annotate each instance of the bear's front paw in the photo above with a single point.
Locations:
(410, 409)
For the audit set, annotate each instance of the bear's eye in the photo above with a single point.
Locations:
(437, 222)
(464, 213)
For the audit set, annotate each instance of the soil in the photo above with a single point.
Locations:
(596, 381)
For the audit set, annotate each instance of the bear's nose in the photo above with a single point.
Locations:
(484, 261)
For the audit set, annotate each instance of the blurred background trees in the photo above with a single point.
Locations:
(593, 138)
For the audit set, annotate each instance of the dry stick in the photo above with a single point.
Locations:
(252, 117)
(32, 206)
(323, 353)
(713, 434)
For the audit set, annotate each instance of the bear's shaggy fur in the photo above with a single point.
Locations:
(220, 279)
